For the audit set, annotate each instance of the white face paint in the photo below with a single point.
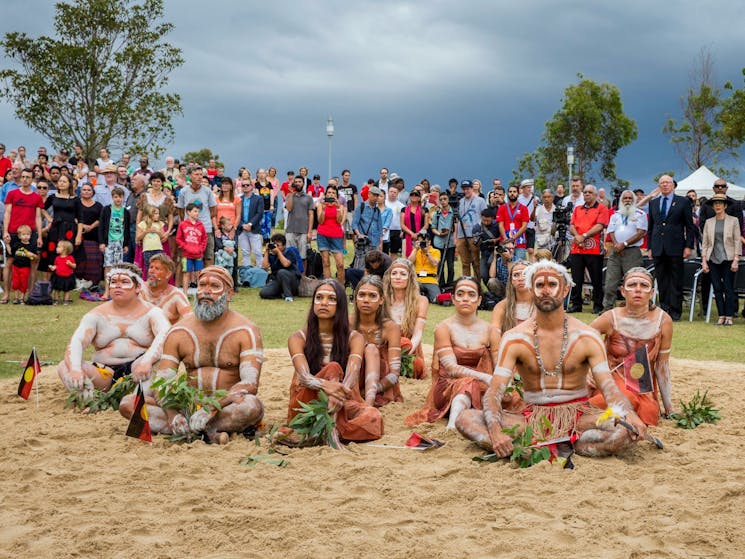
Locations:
(399, 276)
(210, 286)
(121, 281)
(518, 277)
(545, 283)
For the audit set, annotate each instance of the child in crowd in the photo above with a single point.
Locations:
(149, 233)
(113, 234)
(63, 280)
(23, 253)
(225, 253)
(191, 238)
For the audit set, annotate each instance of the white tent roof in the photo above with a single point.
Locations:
(702, 181)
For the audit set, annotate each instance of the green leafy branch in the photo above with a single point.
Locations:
(272, 455)
(314, 424)
(101, 400)
(696, 412)
(525, 453)
(407, 365)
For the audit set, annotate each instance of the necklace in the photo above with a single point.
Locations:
(564, 344)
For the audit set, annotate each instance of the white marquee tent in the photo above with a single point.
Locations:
(702, 181)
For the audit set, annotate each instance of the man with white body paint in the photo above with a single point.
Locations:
(126, 332)
(221, 350)
(553, 354)
(160, 293)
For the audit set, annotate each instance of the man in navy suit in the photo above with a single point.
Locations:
(250, 240)
(670, 241)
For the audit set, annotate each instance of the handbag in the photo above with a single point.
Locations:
(307, 286)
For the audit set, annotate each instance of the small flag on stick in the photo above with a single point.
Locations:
(139, 425)
(420, 442)
(33, 368)
(637, 372)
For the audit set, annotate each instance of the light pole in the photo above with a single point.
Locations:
(330, 134)
(570, 162)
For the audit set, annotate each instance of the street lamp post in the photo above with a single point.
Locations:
(330, 134)
(570, 162)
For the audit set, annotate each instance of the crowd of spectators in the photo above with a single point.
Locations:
(111, 211)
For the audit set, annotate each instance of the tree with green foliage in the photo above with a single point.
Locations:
(700, 137)
(101, 81)
(202, 157)
(592, 120)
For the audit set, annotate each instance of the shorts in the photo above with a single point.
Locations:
(299, 241)
(530, 238)
(330, 244)
(189, 265)
(113, 254)
(20, 279)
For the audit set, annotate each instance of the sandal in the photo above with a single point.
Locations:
(728, 321)
(3, 301)
(720, 322)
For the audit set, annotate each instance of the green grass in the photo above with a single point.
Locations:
(49, 329)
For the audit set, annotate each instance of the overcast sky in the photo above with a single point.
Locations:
(435, 89)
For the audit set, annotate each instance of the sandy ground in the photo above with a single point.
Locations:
(75, 486)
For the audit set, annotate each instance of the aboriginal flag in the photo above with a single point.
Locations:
(33, 368)
(637, 371)
(139, 426)
(420, 442)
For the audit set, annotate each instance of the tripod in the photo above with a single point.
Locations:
(561, 248)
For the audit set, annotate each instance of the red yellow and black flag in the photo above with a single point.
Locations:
(637, 371)
(33, 368)
(420, 442)
(139, 425)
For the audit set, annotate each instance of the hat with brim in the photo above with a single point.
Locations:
(375, 191)
(719, 198)
(109, 169)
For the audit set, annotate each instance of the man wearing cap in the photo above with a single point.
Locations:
(367, 225)
(221, 350)
(299, 223)
(528, 199)
(487, 236)
(396, 206)
(670, 242)
(469, 212)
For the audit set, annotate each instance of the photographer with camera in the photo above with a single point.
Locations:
(284, 269)
(331, 214)
(426, 260)
(486, 236)
(367, 225)
(469, 211)
(444, 238)
(499, 270)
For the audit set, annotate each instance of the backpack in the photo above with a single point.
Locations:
(314, 265)
(41, 294)
(489, 300)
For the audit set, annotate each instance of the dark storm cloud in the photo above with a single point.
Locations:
(428, 89)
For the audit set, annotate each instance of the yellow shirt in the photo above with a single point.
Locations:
(151, 241)
(425, 271)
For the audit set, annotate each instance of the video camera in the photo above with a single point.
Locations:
(361, 244)
(563, 214)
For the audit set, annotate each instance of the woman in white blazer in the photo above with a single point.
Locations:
(720, 247)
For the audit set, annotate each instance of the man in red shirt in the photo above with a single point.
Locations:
(586, 227)
(22, 207)
(513, 218)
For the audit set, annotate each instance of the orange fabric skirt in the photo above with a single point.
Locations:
(355, 421)
(444, 389)
(646, 406)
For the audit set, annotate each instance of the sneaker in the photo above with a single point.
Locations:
(289, 299)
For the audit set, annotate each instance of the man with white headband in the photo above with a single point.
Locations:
(221, 350)
(553, 353)
(126, 332)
